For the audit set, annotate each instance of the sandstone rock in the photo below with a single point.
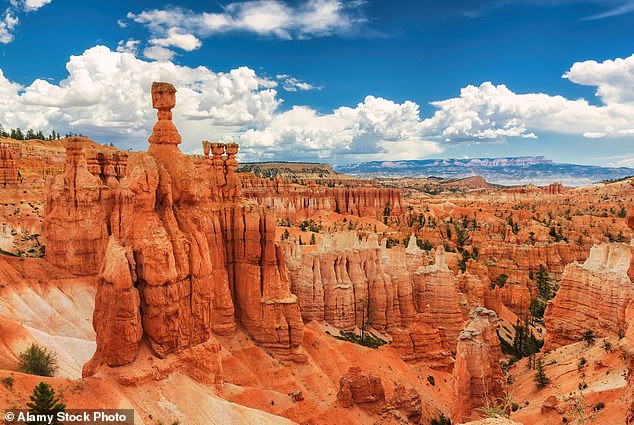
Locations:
(627, 343)
(436, 286)
(550, 403)
(592, 295)
(297, 395)
(357, 387)
(477, 373)
(298, 202)
(8, 166)
(75, 217)
(189, 257)
(407, 401)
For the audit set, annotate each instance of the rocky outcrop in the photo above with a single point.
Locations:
(298, 202)
(76, 215)
(342, 277)
(8, 166)
(554, 189)
(436, 287)
(187, 257)
(593, 295)
(357, 387)
(477, 374)
(422, 342)
(554, 257)
(627, 343)
(414, 302)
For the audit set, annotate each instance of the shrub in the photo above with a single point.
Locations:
(599, 406)
(442, 420)
(8, 382)
(607, 346)
(588, 337)
(38, 360)
(514, 407)
(582, 363)
(368, 340)
(431, 380)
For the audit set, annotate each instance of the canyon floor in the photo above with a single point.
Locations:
(197, 294)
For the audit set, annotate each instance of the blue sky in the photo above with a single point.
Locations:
(332, 80)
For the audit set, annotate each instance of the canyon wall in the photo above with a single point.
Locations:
(8, 166)
(593, 295)
(345, 278)
(627, 343)
(298, 202)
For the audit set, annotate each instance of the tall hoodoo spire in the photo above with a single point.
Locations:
(164, 99)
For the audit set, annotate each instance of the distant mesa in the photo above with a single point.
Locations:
(510, 171)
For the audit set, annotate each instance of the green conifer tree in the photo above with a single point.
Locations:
(44, 402)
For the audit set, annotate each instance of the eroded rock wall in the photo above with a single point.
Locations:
(592, 296)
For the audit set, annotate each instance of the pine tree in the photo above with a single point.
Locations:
(312, 239)
(540, 375)
(44, 402)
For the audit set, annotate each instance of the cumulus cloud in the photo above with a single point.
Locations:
(159, 53)
(491, 113)
(31, 5)
(107, 96)
(374, 129)
(183, 28)
(175, 38)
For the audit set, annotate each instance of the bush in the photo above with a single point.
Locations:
(431, 380)
(514, 407)
(582, 363)
(588, 337)
(8, 382)
(442, 420)
(599, 406)
(368, 340)
(38, 360)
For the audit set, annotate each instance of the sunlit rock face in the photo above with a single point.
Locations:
(593, 295)
(180, 256)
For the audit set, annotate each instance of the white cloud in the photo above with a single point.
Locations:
(31, 5)
(159, 53)
(175, 38)
(492, 113)
(614, 78)
(129, 46)
(7, 23)
(374, 129)
(9, 18)
(107, 96)
(312, 18)
(293, 84)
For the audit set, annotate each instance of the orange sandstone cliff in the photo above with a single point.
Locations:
(180, 257)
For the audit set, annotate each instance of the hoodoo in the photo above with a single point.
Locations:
(186, 257)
